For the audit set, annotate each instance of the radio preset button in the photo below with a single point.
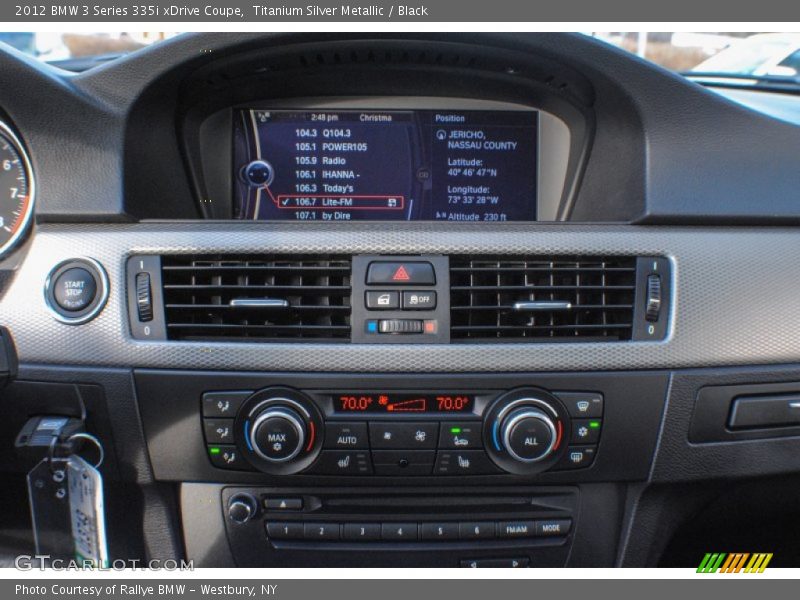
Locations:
(399, 532)
(406, 436)
(285, 531)
(321, 531)
(482, 530)
(361, 532)
(345, 436)
(438, 531)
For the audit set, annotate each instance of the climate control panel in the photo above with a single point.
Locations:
(284, 431)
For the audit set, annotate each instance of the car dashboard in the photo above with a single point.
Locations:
(403, 299)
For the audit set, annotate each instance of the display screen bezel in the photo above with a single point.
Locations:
(553, 145)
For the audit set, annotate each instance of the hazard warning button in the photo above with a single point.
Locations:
(400, 273)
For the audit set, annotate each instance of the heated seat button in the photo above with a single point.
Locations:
(74, 289)
(464, 462)
(321, 531)
(336, 462)
(346, 435)
(408, 436)
(285, 531)
(400, 273)
(438, 531)
(361, 532)
(399, 532)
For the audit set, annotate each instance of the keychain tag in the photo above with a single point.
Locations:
(50, 513)
(87, 515)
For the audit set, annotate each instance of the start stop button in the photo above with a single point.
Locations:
(76, 290)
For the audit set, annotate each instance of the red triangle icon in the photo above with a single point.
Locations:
(401, 274)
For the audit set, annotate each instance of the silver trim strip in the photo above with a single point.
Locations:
(541, 305)
(259, 303)
(712, 267)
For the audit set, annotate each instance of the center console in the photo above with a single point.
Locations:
(429, 470)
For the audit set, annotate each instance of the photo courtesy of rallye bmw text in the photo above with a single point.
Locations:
(329, 299)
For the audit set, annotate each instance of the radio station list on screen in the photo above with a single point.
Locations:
(426, 165)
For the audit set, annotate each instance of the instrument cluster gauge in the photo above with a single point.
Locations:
(16, 190)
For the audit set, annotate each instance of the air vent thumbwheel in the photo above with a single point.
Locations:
(524, 431)
(280, 431)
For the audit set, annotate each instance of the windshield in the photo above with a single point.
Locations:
(78, 47)
(774, 55)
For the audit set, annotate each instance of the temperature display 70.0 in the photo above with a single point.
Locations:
(403, 403)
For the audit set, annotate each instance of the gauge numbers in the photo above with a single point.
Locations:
(16, 190)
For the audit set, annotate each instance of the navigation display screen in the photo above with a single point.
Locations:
(405, 165)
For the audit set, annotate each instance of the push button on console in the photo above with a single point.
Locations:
(400, 273)
(74, 289)
(406, 436)
(346, 435)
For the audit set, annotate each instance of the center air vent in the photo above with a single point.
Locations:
(546, 299)
(257, 298)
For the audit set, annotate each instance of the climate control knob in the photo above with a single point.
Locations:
(282, 429)
(278, 434)
(528, 434)
(524, 430)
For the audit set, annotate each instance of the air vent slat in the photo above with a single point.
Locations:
(541, 299)
(290, 298)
